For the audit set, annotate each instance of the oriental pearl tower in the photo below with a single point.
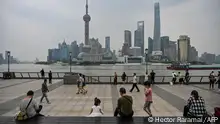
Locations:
(86, 18)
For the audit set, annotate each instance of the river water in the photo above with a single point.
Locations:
(99, 70)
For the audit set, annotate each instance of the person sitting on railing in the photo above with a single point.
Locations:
(96, 110)
(125, 103)
(123, 77)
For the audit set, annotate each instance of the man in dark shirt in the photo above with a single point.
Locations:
(50, 77)
(187, 77)
(152, 74)
(44, 90)
(124, 107)
(42, 73)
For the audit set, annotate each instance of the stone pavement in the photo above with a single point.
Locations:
(9, 96)
(167, 100)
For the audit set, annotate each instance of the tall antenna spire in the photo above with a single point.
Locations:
(86, 6)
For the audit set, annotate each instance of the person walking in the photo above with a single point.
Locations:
(84, 84)
(148, 98)
(44, 90)
(115, 79)
(152, 74)
(181, 81)
(134, 83)
(174, 78)
(187, 77)
(211, 80)
(50, 77)
(123, 77)
(80, 84)
(124, 106)
(42, 73)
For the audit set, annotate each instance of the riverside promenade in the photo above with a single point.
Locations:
(167, 100)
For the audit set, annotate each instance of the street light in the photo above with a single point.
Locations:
(8, 54)
(146, 59)
(70, 54)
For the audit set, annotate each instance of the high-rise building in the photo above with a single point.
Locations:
(139, 36)
(74, 49)
(193, 54)
(127, 37)
(183, 48)
(217, 59)
(1, 58)
(208, 58)
(135, 51)
(157, 42)
(81, 45)
(165, 40)
(125, 49)
(171, 51)
(87, 19)
(150, 45)
(107, 43)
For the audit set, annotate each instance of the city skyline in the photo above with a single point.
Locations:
(28, 27)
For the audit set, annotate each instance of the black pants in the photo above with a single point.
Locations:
(50, 80)
(134, 86)
(174, 80)
(152, 80)
(211, 84)
(117, 111)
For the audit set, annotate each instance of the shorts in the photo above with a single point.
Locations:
(147, 104)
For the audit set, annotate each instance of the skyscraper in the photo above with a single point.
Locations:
(183, 48)
(157, 42)
(127, 37)
(139, 36)
(150, 45)
(107, 43)
(86, 18)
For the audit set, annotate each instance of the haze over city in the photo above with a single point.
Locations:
(30, 28)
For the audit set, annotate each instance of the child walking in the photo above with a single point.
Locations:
(148, 98)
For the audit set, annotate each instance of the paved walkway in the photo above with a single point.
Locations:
(167, 100)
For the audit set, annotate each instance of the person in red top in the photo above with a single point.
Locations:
(148, 98)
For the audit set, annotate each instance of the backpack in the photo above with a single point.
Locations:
(217, 111)
(22, 115)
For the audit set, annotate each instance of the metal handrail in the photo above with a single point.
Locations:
(104, 79)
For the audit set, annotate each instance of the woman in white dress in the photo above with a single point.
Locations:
(96, 109)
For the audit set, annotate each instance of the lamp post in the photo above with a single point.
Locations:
(70, 54)
(146, 59)
(8, 54)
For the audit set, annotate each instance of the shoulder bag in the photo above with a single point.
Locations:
(22, 115)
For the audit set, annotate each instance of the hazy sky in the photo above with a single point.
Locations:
(29, 27)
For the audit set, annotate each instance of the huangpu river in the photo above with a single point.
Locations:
(100, 70)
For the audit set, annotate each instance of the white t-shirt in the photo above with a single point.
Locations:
(96, 111)
(31, 110)
(135, 79)
(174, 75)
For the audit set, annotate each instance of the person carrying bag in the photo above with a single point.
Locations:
(22, 115)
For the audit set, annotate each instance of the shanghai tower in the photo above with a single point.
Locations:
(156, 43)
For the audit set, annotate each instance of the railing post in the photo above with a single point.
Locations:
(21, 75)
(163, 79)
(38, 75)
(201, 79)
(29, 75)
(58, 75)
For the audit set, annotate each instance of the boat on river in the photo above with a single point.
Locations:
(179, 66)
